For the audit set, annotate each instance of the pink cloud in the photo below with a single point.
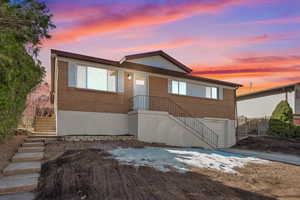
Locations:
(107, 20)
(163, 45)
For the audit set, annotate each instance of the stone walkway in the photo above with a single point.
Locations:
(284, 158)
(21, 175)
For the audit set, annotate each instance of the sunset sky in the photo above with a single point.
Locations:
(240, 41)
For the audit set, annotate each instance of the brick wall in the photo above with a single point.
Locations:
(199, 107)
(76, 99)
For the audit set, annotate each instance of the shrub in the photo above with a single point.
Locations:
(24, 25)
(283, 112)
(19, 74)
(281, 122)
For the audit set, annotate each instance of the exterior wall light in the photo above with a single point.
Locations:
(129, 77)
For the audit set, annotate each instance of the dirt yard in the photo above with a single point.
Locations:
(8, 148)
(271, 144)
(75, 171)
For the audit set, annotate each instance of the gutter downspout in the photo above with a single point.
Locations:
(236, 116)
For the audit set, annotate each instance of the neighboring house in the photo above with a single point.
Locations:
(261, 104)
(150, 95)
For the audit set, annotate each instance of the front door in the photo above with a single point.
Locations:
(141, 98)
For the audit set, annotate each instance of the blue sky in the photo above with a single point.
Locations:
(242, 41)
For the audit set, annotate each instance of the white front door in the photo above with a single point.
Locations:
(141, 99)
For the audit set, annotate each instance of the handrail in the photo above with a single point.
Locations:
(144, 102)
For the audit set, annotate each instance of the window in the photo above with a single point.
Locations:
(81, 77)
(211, 92)
(178, 87)
(196, 90)
(96, 78)
(214, 93)
(139, 81)
(92, 78)
(175, 85)
(182, 88)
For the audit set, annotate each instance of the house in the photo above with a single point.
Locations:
(150, 95)
(261, 104)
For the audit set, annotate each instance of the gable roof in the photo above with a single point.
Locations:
(267, 92)
(162, 54)
(146, 68)
(84, 57)
(141, 67)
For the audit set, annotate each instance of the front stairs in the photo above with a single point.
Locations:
(45, 126)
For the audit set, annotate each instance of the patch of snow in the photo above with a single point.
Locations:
(182, 159)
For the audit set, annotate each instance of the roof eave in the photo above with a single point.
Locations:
(159, 53)
(266, 92)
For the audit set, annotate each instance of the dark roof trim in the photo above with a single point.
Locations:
(267, 92)
(83, 57)
(141, 67)
(160, 53)
(146, 68)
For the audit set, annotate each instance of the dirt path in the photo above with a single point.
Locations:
(90, 174)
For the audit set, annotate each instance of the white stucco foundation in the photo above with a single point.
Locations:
(91, 123)
(160, 127)
(225, 129)
(147, 126)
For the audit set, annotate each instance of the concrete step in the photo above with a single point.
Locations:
(37, 135)
(47, 138)
(36, 139)
(18, 183)
(31, 149)
(22, 168)
(45, 130)
(45, 127)
(51, 138)
(45, 122)
(18, 196)
(33, 144)
(27, 157)
(45, 118)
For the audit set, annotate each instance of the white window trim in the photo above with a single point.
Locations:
(178, 87)
(86, 74)
(211, 93)
(187, 84)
